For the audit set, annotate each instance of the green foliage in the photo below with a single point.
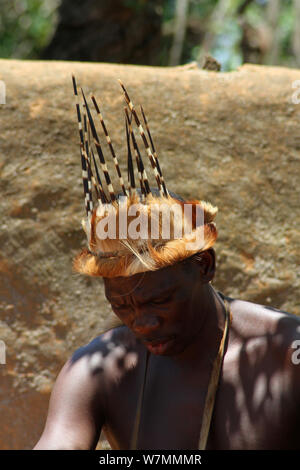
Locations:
(286, 34)
(25, 27)
(226, 48)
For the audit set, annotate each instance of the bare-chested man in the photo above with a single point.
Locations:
(173, 322)
(178, 316)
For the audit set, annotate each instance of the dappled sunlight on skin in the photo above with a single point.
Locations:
(260, 391)
(265, 399)
(257, 402)
(96, 362)
(107, 354)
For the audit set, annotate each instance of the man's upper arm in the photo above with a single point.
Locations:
(76, 412)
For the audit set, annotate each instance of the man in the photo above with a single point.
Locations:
(187, 367)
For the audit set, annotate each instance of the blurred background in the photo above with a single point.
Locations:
(156, 32)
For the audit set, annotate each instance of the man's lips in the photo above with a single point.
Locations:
(158, 345)
(155, 341)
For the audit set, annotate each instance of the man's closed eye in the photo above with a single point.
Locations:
(161, 300)
(120, 306)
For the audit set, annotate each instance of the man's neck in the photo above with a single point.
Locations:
(207, 330)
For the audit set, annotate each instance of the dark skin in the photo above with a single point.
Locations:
(257, 403)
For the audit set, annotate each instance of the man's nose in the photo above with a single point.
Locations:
(145, 324)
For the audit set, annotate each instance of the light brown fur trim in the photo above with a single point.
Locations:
(151, 260)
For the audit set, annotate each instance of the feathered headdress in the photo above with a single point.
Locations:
(137, 229)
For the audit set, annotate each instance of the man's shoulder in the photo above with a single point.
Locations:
(107, 340)
(253, 319)
(261, 328)
(110, 351)
(266, 340)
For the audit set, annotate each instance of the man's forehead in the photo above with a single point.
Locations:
(143, 284)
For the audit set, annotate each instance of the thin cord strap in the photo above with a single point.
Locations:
(214, 381)
(136, 426)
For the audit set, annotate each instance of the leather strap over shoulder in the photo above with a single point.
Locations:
(214, 381)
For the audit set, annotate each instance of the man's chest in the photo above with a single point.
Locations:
(171, 411)
(248, 412)
(170, 424)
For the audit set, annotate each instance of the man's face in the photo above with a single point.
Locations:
(159, 306)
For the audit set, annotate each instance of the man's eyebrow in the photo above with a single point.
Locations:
(142, 296)
(160, 293)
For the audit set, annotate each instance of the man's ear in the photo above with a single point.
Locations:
(207, 264)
